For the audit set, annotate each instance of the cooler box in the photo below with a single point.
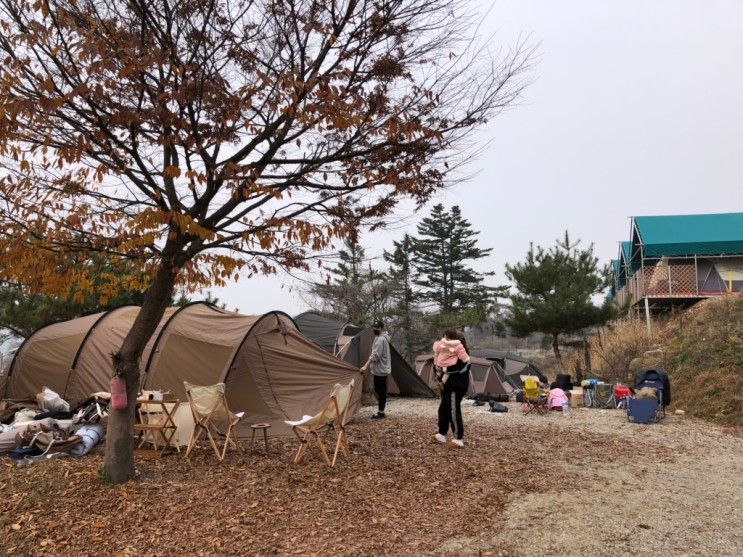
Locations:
(621, 392)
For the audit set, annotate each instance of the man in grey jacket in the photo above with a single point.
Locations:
(380, 362)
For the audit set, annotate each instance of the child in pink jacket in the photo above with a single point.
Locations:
(446, 352)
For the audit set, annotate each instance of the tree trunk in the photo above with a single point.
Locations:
(119, 463)
(556, 349)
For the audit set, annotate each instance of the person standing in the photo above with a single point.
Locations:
(380, 362)
(452, 393)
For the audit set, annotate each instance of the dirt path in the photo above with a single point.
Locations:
(679, 499)
(588, 484)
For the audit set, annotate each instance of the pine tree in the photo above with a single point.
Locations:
(406, 319)
(354, 291)
(23, 311)
(446, 245)
(553, 291)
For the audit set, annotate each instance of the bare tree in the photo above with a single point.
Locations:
(200, 139)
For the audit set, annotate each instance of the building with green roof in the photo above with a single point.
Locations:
(677, 260)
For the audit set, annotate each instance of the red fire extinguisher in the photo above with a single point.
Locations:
(118, 393)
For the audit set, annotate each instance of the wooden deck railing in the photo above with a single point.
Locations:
(664, 281)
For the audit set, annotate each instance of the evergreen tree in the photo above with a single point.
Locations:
(23, 311)
(553, 291)
(355, 291)
(406, 319)
(443, 251)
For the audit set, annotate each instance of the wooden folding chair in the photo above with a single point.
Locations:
(333, 416)
(212, 417)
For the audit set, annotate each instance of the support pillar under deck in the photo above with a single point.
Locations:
(647, 315)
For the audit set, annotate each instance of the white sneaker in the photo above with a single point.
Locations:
(456, 444)
(440, 438)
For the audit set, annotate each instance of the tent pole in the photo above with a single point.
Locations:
(696, 275)
(647, 315)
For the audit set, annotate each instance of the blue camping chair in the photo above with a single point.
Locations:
(646, 410)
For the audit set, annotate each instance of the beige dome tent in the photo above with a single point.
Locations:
(271, 371)
(485, 376)
(73, 358)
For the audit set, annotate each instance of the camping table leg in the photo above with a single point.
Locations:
(168, 429)
(254, 428)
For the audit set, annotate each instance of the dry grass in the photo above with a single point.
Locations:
(615, 348)
(704, 353)
(612, 352)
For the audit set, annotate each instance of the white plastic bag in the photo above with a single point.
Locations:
(24, 415)
(50, 401)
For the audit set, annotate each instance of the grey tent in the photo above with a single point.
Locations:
(513, 364)
(321, 330)
(352, 344)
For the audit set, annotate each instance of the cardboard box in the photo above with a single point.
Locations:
(576, 397)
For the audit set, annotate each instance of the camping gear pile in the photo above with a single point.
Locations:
(644, 402)
(44, 428)
(598, 394)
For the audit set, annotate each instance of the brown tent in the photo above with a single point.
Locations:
(514, 365)
(73, 358)
(485, 376)
(271, 371)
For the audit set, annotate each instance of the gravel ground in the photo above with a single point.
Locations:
(586, 484)
(684, 499)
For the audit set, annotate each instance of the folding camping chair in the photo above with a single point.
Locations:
(211, 416)
(652, 391)
(534, 397)
(333, 416)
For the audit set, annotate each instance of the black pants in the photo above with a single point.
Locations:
(380, 387)
(450, 408)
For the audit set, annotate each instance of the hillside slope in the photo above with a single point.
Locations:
(704, 356)
(701, 348)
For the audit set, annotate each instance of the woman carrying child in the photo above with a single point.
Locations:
(452, 366)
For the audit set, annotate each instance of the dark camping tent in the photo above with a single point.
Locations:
(323, 331)
(513, 364)
(352, 344)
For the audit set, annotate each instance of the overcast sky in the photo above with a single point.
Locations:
(637, 109)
